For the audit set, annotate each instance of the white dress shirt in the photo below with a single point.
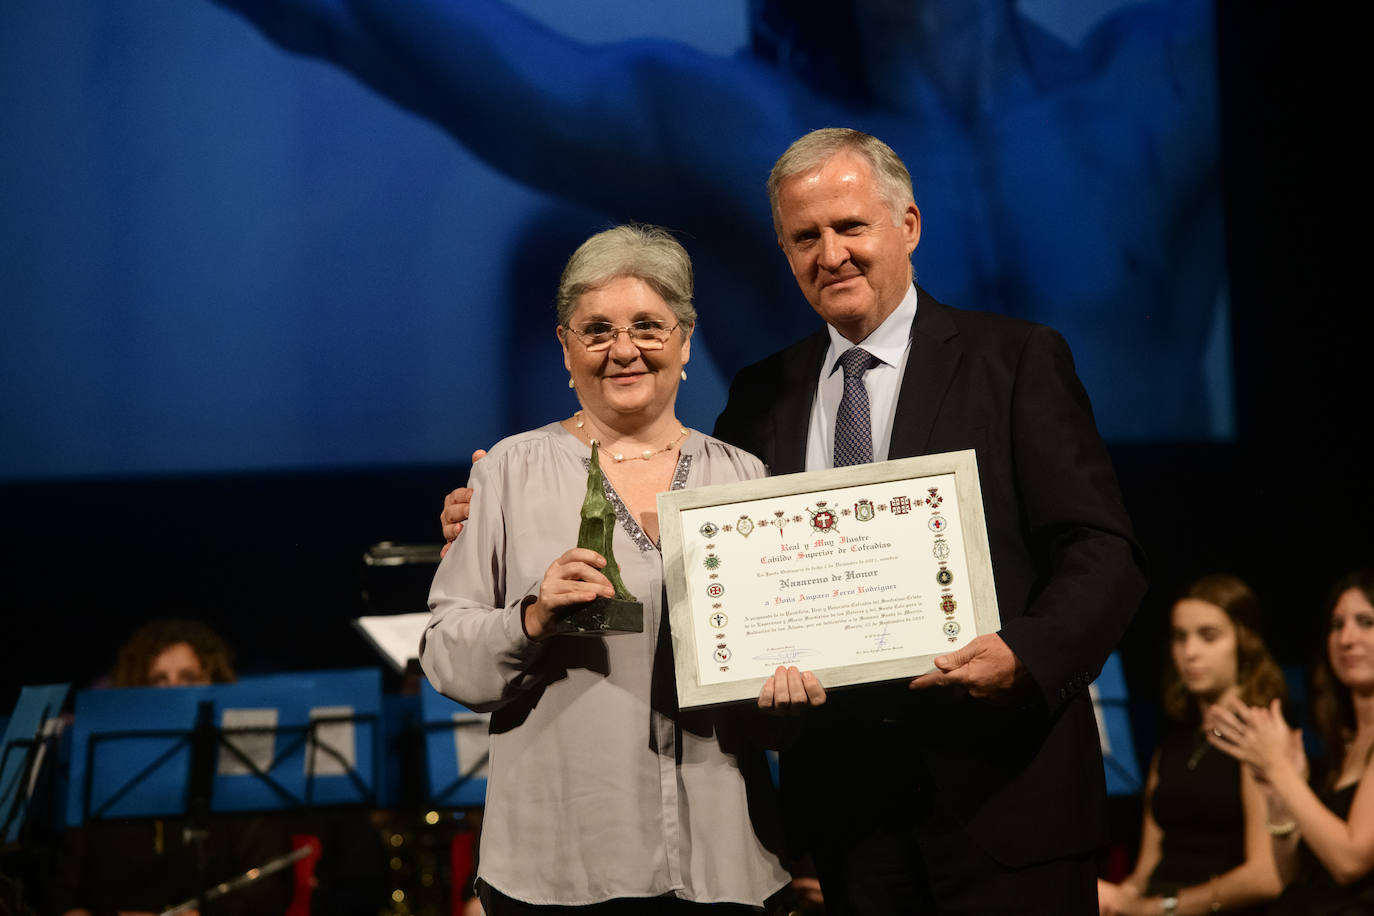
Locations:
(890, 342)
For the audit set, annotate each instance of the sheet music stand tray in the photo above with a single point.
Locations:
(266, 743)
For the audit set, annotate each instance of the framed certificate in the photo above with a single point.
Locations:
(858, 574)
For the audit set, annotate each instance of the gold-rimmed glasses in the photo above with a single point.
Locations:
(645, 334)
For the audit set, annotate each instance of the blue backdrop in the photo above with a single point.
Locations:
(325, 233)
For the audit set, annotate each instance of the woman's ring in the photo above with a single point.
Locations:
(1216, 731)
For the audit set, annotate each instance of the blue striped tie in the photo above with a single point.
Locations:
(853, 431)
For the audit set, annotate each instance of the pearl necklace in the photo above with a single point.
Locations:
(644, 455)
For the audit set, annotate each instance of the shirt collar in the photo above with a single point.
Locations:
(887, 342)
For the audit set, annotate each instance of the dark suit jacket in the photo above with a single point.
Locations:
(1026, 779)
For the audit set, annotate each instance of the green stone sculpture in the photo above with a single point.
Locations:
(603, 616)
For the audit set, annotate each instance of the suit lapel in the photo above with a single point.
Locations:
(930, 366)
(792, 414)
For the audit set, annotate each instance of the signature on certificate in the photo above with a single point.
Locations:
(880, 639)
(785, 655)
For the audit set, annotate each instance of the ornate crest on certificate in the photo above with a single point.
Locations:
(859, 574)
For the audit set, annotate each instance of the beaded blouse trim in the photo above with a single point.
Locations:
(627, 521)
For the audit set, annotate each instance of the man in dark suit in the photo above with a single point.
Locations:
(979, 787)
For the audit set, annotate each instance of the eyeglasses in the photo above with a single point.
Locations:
(647, 335)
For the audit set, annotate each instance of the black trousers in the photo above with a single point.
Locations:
(908, 871)
(895, 847)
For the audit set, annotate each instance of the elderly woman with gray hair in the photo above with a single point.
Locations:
(603, 795)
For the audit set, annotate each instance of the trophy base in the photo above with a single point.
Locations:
(602, 617)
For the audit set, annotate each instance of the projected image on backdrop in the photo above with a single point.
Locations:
(308, 243)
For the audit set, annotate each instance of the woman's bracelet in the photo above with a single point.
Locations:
(1283, 829)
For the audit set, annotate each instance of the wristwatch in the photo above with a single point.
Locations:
(1170, 906)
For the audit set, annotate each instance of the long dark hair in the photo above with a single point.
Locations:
(1259, 679)
(1332, 707)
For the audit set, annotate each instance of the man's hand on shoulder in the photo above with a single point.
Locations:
(457, 508)
(986, 666)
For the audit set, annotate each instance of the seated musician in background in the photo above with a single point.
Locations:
(139, 867)
(174, 652)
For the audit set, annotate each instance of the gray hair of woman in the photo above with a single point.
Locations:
(649, 253)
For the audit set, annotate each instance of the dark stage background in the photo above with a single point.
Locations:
(273, 559)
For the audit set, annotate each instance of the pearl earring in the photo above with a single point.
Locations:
(684, 375)
(570, 382)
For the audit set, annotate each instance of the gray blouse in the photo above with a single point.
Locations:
(599, 786)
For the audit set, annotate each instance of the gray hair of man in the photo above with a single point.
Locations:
(649, 253)
(813, 150)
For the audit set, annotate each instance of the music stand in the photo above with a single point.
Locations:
(279, 742)
(275, 742)
(396, 638)
(30, 737)
(1108, 694)
(457, 748)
